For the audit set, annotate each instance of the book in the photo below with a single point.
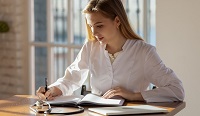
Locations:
(89, 99)
(128, 110)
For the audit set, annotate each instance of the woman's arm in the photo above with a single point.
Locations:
(74, 77)
(169, 86)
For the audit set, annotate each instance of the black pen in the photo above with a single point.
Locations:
(46, 88)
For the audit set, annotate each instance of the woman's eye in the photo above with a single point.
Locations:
(100, 26)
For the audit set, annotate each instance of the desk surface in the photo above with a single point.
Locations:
(18, 105)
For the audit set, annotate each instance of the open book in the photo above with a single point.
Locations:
(89, 99)
(125, 110)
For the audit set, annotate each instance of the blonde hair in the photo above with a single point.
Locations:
(111, 9)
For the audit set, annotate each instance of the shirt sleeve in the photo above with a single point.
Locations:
(169, 86)
(75, 74)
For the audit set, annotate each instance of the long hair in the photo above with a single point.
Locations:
(111, 9)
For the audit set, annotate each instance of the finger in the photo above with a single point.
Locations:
(41, 90)
(48, 93)
(107, 94)
(110, 94)
(41, 96)
(40, 93)
(50, 98)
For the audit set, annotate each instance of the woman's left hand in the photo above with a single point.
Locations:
(119, 91)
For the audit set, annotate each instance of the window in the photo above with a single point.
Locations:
(141, 14)
(58, 29)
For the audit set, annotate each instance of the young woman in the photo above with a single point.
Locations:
(119, 61)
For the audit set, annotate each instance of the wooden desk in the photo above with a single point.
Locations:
(18, 105)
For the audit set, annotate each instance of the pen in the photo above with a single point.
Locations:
(46, 89)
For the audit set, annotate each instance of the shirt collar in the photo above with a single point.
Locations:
(124, 47)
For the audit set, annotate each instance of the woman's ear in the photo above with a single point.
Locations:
(117, 21)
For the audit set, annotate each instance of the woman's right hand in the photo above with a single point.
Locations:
(48, 95)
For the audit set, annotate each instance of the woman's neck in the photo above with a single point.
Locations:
(115, 46)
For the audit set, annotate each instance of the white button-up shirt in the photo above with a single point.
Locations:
(135, 67)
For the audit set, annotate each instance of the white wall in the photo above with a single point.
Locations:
(178, 44)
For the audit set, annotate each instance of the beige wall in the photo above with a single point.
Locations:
(178, 44)
(14, 77)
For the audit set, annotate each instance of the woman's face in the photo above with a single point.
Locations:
(104, 29)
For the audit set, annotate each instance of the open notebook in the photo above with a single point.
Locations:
(89, 99)
(122, 110)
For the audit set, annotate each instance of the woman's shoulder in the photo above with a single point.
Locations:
(139, 44)
(141, 47)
